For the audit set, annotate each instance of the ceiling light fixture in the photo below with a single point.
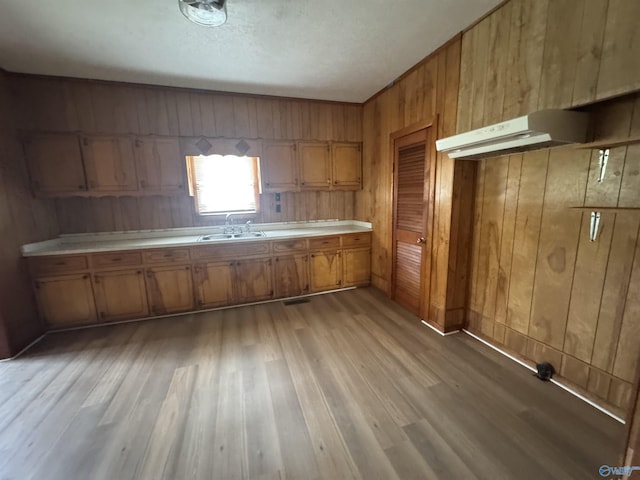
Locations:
(210, 13)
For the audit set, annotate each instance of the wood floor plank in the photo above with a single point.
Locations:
(346, 386)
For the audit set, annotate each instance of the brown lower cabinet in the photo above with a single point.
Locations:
(73, 290)
(170, 289)
(120, 295)
(291, 275)
(213, 284)
(253, 280)
(325, 270)
(66, 300)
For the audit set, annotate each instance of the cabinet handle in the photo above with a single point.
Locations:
(180, 186)
(277, 259)
(168, 255)
(188, 267)
(116, 259)
(139, 272)
(306, 287)
(82, 187)
(335, 182)
(138, 143)
(313, 256)
(302, 183)
(84, 277)
(231, 264)
(267, 184)
(96, 279)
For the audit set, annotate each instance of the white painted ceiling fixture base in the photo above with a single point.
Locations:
(328, 50)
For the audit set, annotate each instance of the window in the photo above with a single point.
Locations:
(224, 184)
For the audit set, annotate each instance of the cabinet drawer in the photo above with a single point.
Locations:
(167, 256)
(324, 242)
(58, 263)
(115, 259)
(227, 250)
(285, 246)
(356, 240)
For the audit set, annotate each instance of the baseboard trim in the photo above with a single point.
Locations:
(24, 349)
(555, 382)
(442, 334)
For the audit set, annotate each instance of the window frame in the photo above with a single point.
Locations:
(193, 191)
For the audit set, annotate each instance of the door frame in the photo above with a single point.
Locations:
(427, 252)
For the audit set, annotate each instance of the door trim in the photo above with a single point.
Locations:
(428, 255)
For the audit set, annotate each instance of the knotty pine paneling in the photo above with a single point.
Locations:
(68, 105)
(529, 56)
(539, 287)
(22, 220)
(429, 92)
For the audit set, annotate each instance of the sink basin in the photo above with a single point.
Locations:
(230, 236)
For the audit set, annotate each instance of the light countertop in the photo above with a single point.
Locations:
(180, 237)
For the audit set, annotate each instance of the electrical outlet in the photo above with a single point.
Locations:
(278, 209)
(277, 197)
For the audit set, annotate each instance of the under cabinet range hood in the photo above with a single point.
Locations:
(543, 129)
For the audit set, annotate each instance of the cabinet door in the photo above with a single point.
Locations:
(120, 295)
(214, 284)
(253, 280)
(169, 289)
(346, 166)
(291, 275)
(356, 267)
(325, 270)
(278, 167)
(109, 164)
(66, 301)
(315, 164)
(55, 164)
(160, 166)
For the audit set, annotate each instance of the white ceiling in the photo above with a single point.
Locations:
(331, 50)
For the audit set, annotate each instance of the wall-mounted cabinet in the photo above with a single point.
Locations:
(314, 159)
(279, 167)
(55, 164)
(289, 166)
(159, 164)
(109, 164)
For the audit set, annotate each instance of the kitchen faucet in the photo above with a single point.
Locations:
(228, 224)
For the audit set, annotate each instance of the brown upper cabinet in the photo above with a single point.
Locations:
(55, 164)
(315, 165)
(109, 163)
(279, 167)
(346, 166)
(287, 166)
(160, 166)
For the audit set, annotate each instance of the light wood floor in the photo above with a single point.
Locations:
(346, 386)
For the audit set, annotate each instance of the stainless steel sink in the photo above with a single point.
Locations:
(229, 236)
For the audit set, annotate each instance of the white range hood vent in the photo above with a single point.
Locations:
(543, 129)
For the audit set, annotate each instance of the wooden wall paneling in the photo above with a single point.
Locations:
(241, 119)
(526, 40)
(627, 352)
(495, 171)
(145, 122)
(196, 114)
(481, 55)
(505, 255)
(225, 116)
(276, 122)
(498, 75)
(559, 236)
(589, 52)
(620, 65)
(629, 196)
(560, 58)
(586, 291)
(607, 192)
(264, 118)
(476, 280)
(207, 114)
(183, 109)
(527, 233)
(467, 77)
